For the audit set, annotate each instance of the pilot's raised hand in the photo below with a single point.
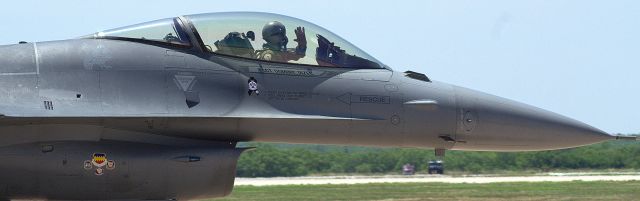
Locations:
(301, 39)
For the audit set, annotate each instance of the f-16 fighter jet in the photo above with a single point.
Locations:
(153, 111)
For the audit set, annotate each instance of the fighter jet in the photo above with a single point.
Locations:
(154, 111)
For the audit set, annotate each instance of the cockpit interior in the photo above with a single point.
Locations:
(259, 36)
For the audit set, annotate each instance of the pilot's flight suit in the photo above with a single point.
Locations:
(279, 56)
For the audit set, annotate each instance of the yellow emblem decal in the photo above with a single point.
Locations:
(99, 160)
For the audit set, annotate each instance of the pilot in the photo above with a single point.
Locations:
(275, 48)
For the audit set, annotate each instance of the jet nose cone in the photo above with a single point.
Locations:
(564, 132)
(505, 125)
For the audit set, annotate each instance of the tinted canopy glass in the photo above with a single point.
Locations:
(164, 30)
(278, 38)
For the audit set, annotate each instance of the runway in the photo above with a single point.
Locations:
(550, 177)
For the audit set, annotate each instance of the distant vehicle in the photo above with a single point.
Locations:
(408, 169)
(436, 167)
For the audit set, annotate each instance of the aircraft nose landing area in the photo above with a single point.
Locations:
(493, 123)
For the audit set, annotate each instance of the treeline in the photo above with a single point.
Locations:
(269, 160)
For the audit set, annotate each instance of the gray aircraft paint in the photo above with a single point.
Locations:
(127, 99)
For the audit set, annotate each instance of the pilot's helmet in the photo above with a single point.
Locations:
(275, 34)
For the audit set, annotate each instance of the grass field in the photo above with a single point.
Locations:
(575, 190)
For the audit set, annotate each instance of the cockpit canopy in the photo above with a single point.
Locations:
(168, 30)
(261, 36)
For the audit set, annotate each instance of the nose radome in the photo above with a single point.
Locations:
(507, 125)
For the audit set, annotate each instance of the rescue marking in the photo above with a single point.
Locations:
(349, 99)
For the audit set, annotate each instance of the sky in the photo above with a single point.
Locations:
(578, 58)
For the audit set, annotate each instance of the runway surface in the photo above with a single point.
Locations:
(551, 177)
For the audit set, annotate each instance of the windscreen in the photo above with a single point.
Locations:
(164, 30)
